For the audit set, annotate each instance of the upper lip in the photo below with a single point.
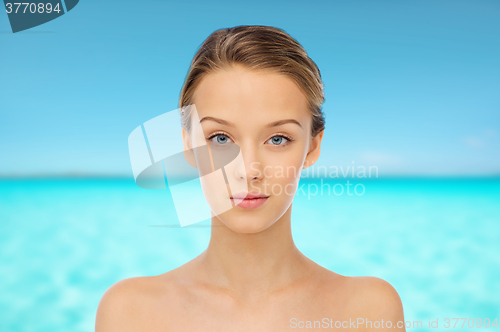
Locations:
(249, 195)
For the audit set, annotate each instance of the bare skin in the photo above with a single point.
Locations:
(252, 277)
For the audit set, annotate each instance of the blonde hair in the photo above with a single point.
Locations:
(256, 47)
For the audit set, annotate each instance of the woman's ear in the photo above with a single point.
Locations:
(314, 150)
(188, 151)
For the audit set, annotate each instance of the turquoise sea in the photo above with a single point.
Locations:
(63, 242)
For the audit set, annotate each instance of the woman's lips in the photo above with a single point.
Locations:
(249, 200)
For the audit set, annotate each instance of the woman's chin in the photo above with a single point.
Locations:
(246, 224)
(254, 219)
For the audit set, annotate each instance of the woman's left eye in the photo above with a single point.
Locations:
(278, 140)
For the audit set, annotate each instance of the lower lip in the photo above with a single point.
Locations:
(253, 203)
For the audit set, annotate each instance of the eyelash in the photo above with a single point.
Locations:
(288, 138)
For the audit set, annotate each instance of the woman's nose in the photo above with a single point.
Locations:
(251, 169)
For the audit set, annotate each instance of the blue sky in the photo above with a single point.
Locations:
(411, 86)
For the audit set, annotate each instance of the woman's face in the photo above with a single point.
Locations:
(266, 116)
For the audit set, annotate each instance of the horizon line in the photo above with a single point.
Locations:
(117, 176)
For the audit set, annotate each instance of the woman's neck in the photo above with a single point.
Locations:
(254, 264)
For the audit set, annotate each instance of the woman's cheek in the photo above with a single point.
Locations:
(288, 171)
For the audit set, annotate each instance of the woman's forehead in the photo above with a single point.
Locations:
(240, 90)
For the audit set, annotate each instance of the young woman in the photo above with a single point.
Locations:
(256, 87)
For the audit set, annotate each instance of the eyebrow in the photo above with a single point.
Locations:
(270, 125)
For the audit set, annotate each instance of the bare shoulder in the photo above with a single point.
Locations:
(129, 304)
(375, 294)
(367, 298)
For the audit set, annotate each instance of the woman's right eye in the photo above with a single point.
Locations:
(220, 139)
